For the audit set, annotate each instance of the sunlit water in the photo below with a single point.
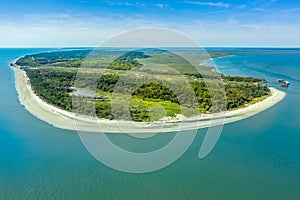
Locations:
(256, 158)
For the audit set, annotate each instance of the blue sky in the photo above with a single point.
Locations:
(61, 23)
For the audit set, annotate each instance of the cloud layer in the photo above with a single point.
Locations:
(211, 23)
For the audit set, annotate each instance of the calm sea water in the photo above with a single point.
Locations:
(256, 158)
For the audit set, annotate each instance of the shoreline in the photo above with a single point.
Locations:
(71, 121)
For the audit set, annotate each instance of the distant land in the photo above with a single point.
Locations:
(49, 83)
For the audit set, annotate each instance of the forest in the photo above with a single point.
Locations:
(54, 78)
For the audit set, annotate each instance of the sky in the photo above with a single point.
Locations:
(74, 23)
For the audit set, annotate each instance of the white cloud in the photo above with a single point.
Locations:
(160, 5)
(59, 29)
(211, 4)
(137, 4)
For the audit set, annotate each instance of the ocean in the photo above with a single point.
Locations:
(256, 158)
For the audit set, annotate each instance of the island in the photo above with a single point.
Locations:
(154, 96)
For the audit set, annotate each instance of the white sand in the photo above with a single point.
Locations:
(71, 121)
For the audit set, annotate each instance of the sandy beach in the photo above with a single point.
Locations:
(68, 120)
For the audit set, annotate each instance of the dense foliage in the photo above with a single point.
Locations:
(127, 61)
(53, 86)
(61, 58)
(56, 85)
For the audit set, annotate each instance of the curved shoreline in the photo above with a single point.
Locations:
(71, 121)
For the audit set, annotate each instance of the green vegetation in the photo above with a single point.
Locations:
(65, 58)
(53, 86)
(127, 61)
(136, 81)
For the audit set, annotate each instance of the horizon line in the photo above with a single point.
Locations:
(81, 47)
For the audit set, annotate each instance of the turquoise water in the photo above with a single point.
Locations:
(257, 158)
